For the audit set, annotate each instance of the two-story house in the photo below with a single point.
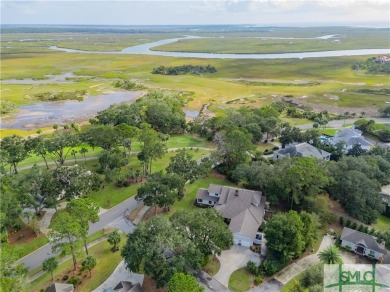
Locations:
(242, 209)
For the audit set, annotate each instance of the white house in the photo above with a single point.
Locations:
(242, 209)
(350, 137)
(363, 244)
(301, 150)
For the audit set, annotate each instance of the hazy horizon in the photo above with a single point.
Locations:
(263, 13)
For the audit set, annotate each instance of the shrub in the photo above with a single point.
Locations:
(354, 225)
(275, 148)
(65, 277)
(252, 267)
(258, 280)
(360, 228)
(341, 221)
(270, 267)
(313, 276)
(74, 281)
(348, 223)
(365, 229)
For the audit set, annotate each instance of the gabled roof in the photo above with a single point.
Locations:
(248, 221)
(302, 150)
(125, 286)
(203, 194)
(60, 287)
(367, 240)
(234, 200)
(350, 137)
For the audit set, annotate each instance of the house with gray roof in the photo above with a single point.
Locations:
(363, 244)
(350, 137)
(60, 287)
(242, 209)
(301, 150)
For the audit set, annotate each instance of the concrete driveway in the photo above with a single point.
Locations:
(302, 264)
(233, 259)
(120, 274)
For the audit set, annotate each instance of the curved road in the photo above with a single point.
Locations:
(35, 259)
(339, 123)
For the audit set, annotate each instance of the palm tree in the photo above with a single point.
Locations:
(82, 152)
(114, 239)
(331, 255)
(88, 264)
(49, 265)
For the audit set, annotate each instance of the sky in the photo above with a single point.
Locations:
(186, 12)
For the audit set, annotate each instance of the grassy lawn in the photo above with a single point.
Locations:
(328, 131)
(111, 195)
(190, 191)
(106, 263)
(240, 280)
(213, 265)
(264, 146)
(383, 223)
(290, 284)
(23, 249)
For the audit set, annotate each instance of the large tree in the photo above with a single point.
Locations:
(12, 274)
(304, 177)
(188, 168)
(152, 147)
(205, 228)
(75, 181)
(359, 195)
(126, 134)
(103, 136)
(37, 145)
(85, 211)
(15, 150)
(163, 250)
(233, 148)
(65, 235)
(181, 282)
(284, 233)
(60, 144)
(41, 189)
(161, 190)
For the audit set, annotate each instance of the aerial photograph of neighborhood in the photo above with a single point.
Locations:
(194, 145)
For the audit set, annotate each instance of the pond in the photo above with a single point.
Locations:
(45, 114)
(191, 114)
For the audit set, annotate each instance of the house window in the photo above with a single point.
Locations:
(210, 202)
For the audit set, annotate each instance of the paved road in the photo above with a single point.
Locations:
(96, 157)
(36, 258)
(339, 123)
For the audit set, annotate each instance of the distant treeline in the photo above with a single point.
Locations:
(184, 69)
(372, 66)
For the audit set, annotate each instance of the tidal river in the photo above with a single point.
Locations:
(145, 49)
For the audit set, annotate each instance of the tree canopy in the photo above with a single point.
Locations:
(163, 250)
